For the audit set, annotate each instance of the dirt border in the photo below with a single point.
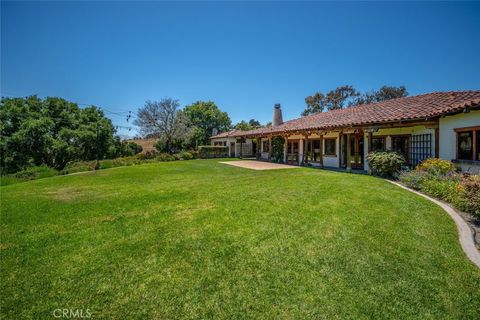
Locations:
(464, 232)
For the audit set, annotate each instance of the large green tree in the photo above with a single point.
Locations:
(206, 116)
(250, 125)
(382, 94)
(51, 131)
(347, 96)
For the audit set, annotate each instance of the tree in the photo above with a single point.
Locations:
(165, 120)
(341, 97)
(206, 116)
(250, 125)
(243, 125)
(254, 123)
(346, 96)
(51, 131)
(315, 103)
(383, 94)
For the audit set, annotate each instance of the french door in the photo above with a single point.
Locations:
(356, 151)
(292, 151)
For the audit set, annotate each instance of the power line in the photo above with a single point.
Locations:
(127, 114)
(119, 113)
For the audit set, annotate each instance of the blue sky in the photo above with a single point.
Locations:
(245, 56)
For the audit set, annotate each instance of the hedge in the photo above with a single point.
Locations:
(207, 152)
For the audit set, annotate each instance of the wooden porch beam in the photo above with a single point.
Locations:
(321, 150)
(349, 164)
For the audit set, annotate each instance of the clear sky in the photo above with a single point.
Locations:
(245, 56)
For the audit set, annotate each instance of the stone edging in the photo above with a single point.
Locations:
(464, 232)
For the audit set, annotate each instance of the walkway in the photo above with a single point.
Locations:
(258, 165)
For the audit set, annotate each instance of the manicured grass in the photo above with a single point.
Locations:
(198, 239)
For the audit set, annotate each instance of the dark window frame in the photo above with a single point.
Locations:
(409, 141)
(384, 138)
(265, 146)
(475, 153)
(325, 142)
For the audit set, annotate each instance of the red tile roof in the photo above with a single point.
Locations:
(425, 106)
(227, 134)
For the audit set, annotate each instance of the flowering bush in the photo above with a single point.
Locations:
(436, 166)
(385, 164)
(438, 179)
(469, 195)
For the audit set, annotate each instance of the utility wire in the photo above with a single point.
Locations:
(127, 114)
(118, 113)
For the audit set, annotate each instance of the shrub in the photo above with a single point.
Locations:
(413, 179)
(194, 154)
(206, 152)
(185, 155)
(444, 188)
(278, 149)
(38, 172)
(147, 155)
(119, 162)
(165, 157)
(462, 191)
(30, 173)
(469, 195)
(385, 164)
(436, 166)
(78, 166)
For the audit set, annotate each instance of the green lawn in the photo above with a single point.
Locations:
(198, 239)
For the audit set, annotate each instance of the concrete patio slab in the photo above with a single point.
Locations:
(258, 165)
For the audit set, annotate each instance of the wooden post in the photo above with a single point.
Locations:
(370, 148)
(321, 150)
(241, 147)
(349, 164)
(300, 151)
(269, 148)
(305, 149)
(285, 149)
(370, 136)
(437, 142)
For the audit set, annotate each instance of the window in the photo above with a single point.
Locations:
(468, 144)
(330, 146)
(465, 145)
(420, 148)
(316, 150)
(400, 145)
(477, 146)
(378, 144)
(265, 146)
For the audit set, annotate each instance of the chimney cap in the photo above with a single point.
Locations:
(277, 105)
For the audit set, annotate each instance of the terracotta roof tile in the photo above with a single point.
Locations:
(423, 106)
(227, 134)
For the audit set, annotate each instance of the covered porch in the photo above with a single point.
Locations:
(346, 148)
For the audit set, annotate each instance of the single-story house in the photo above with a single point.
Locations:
(441, 124)
(238, 146)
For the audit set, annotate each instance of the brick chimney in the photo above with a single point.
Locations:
(277, 115)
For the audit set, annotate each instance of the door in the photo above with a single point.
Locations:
(292, 151)
(232, 149)
(356, 151)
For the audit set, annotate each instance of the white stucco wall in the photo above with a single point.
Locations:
(448, 137)
(328, 160)
(447, 133)
(247, 145)
(405, 130)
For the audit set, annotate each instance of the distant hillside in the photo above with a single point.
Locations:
(147, 144)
